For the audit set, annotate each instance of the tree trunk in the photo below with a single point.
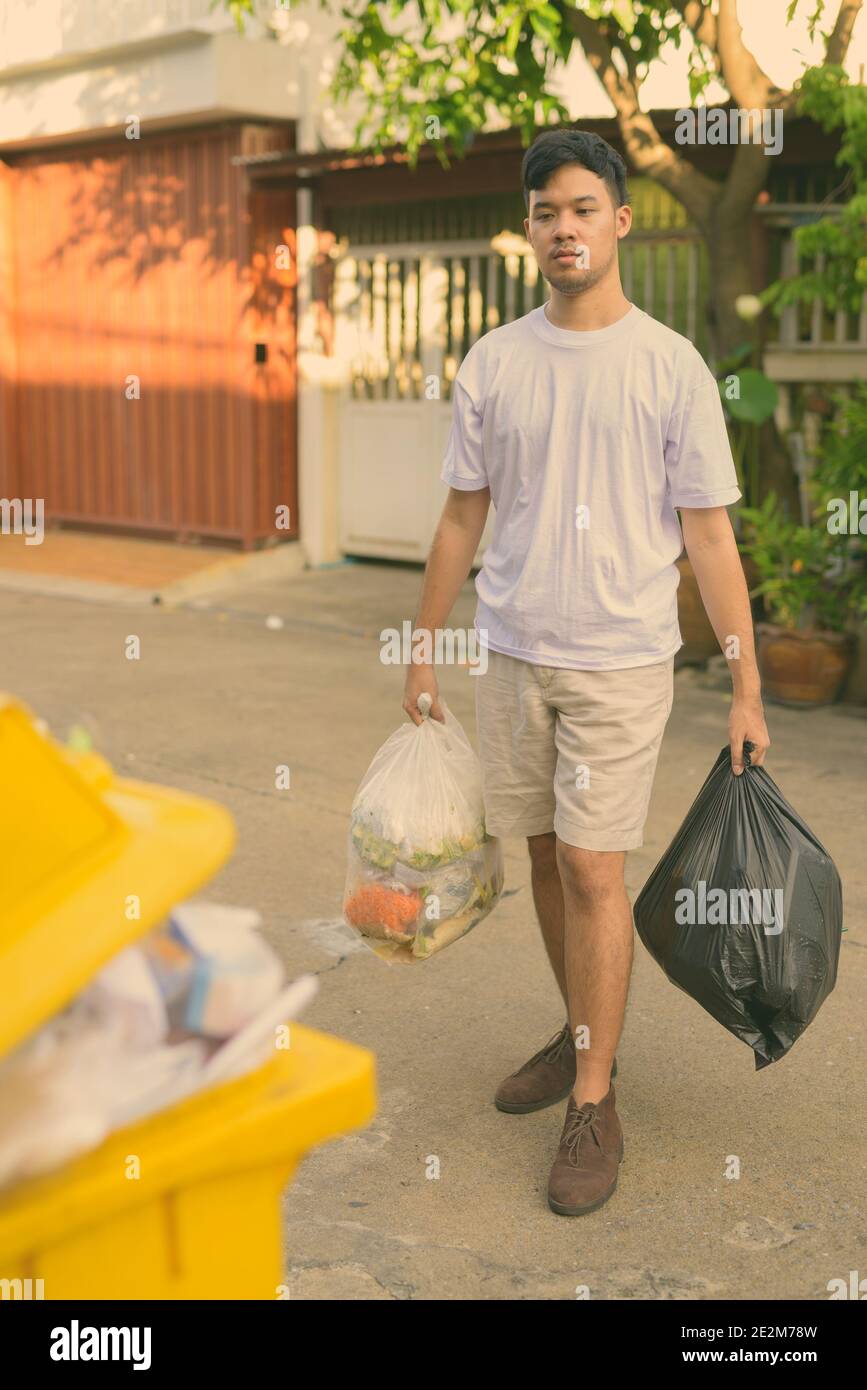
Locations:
(728, 262)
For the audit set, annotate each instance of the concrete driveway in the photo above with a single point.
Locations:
(217, 700)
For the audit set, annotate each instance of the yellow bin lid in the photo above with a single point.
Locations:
(89, 862)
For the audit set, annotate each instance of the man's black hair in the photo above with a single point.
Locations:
(566, 145)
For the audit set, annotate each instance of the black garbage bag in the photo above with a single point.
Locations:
(744, 911)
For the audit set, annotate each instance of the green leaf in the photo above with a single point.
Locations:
(513, 34)
(624, 12)
(758, 397)
(543, 29)
(727, 365)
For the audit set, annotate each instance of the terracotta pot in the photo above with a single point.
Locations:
(802, 668)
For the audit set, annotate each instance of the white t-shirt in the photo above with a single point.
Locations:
(588, 442)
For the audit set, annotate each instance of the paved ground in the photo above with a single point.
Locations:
(116, 560)
(216, 701)
(133, 571)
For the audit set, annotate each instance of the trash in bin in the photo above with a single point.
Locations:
(213, 968)
(196, 1001)
(422, 871)
(744, 912)
(194, 1190)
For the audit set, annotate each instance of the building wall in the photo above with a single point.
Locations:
(70, 69)
(8, 345)
(143, 266)
(41, 30)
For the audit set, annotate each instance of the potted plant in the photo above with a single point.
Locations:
(812, 580)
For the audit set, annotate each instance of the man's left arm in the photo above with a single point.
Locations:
(713, 554)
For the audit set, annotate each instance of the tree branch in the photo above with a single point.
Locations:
(645, 147)
(747, 83)
(838, 40)
(746, 178)
(699, 18)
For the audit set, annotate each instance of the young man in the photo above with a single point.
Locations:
(587, 423)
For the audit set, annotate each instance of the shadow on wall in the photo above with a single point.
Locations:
(154, 331)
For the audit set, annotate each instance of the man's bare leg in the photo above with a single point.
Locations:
(548, 899)
(597, 951)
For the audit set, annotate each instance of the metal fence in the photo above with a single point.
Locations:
(816, 355)
(410, 312)
(809, 325)
(407, 313)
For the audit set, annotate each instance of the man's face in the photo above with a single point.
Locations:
(574, 213)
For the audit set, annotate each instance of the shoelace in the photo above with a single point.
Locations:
(584, 1121)
(553, 1049)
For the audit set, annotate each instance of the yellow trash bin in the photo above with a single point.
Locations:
(185, 1203)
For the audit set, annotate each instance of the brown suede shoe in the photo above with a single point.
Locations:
(545, 1079)
(584, 1174)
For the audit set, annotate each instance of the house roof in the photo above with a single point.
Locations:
(806, 142)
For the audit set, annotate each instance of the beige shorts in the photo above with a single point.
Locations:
(570, 751)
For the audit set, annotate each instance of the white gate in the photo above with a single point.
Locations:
(405, 316)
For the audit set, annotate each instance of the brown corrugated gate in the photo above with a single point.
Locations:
(147, 337)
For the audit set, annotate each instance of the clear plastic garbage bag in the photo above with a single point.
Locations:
(744, 912)
(422, 871)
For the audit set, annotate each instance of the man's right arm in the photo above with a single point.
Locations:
(451, 556)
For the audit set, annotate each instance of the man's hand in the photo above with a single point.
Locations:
(747, 721)
(421, 678)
